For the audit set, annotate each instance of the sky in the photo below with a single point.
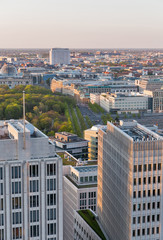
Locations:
(81, 24)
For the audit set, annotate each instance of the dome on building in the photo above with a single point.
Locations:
(8, 70)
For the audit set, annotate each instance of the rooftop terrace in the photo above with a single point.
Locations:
(90, 218)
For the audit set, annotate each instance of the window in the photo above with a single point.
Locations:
(144, 193)
(16, 187)
(139, 181)
(159, 166)
(154, 167)
(139, 207)
(51, 184)
(158, 217)
(149, 206)
(144, 180)
(154, 192)
(140, 168)
(52, 214)
(143, 219)
(158, 192)
(144, 206)
(51, 228)
(138, 220)
(145, 168)
(148, 231)
(134, 194)
(139, 194)
(34, 216)
(148, 218)
(134, 220)
(33, 169)
(158, 205)
(153, 230)
(153, 205)
(34, 186)
(1, 173)
(51, 169)
(149, 180)
(159, 179)
(149, 167)
(134, 181)
(34, 201)
(135, 168)
(133, 233)
(149, 193)
(143, 231)
(153, 218)
(1, 204)
(16, 218)
(134, 207)
(17, 233)
(16, 172)
(154, 180)
(157, 230)
(34, 231)
(51, 199)
(16, 202)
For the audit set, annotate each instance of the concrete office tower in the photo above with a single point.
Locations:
(130, 203)
(30, 184)
(59, 56)
(79, 192)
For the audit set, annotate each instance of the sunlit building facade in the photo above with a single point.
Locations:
(130, 182)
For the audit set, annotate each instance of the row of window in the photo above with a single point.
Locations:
(146, 206)
(147, 167)
(146, 219)
(148, 193)
(146, 180)
(144, 231)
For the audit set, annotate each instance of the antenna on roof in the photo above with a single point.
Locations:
(24, 118)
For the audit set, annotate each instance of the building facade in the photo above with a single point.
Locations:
(76, 146)
(59, 56)
(130, 182)
(123, 102)
(79, 192)
(158, 101)
(30, 184)
(91, 135)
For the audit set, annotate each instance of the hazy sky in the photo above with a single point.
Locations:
(81, 23)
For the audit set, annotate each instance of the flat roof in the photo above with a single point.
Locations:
(90, 219)
(86, 168)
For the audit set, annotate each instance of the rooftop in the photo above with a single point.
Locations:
(138, 132)
(86, 169)
(90, 219)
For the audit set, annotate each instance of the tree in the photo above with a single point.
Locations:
(14, 111)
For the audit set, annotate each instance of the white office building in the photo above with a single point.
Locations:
(30, 184)
(59, 56)
(124, 102)
(130, 202)
(79, 192)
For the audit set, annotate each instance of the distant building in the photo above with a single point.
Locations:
(73, 144)
(149, 83)
(130, 182)
(158, 101)
(79, 192)
(30, 184)
(9, 76)
(91, 135)
(124, 102)
(59, 56)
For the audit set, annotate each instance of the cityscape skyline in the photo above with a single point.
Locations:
(92, 24)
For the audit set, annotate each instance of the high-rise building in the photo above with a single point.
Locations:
(59, 56)
(79, 192)
(130, 182)
(91, 135)
(30, 184)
